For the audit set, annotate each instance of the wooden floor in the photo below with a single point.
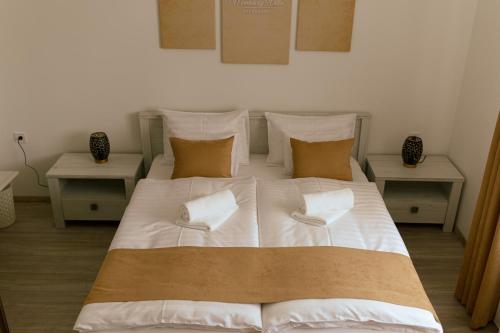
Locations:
(45, 273)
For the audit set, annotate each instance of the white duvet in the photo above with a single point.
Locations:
(367, 226)
(149, 223)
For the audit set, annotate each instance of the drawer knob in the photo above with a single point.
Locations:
(414, 210)
(94, 207)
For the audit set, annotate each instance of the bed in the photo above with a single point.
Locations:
(154, 205)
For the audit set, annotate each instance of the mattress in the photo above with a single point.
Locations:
(257, 168)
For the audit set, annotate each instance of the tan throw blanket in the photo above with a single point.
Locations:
(257, 275)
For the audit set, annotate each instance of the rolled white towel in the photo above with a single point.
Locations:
(321, 219)
(208, 212)
(208, 205)
(209, 223)
(322, 208)
(315, 204)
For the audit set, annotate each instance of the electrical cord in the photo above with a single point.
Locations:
(29, 166)
(422, 160)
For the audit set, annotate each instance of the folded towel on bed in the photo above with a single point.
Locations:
(320, 219)
(209, 223)
(208, 212)
(320, 202)
(322, 208)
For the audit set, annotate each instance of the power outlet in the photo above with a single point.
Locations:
(20, 136)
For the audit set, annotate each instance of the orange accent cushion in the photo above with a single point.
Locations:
(202, 158)
(326, 159)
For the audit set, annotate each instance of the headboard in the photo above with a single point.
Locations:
(152, 133)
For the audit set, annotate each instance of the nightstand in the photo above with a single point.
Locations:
(428, 193)
(81, 189)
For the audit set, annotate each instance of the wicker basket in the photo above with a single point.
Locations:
(7, 211)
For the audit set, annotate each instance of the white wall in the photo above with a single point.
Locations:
(71, 67)
(479, 104)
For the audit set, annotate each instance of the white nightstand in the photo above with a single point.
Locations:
(81, 189)
(428, 193)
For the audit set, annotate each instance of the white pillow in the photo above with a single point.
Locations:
(199, 126)
(277, 124)
(313, 136)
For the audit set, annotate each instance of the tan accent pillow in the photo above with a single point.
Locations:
(326, 159)
(202, 158)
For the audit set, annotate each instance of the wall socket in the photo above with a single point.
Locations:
(20, 136)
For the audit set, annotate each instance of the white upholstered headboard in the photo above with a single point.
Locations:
(152, 133)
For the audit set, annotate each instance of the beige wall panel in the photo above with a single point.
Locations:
(256, 32)
(187, 24)
(325, 25)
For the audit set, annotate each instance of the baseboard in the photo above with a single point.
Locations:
(31, 199)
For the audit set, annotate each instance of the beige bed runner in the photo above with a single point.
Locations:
(257, 275)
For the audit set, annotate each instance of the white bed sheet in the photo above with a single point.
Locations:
(258, 168)
(367, 226)
(292, 330)
(148, 222)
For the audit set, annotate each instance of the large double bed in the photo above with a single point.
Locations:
(266, 196)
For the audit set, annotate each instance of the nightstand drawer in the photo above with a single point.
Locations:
(417, 212)
(81, 189)
(416, 202)
(93, 210)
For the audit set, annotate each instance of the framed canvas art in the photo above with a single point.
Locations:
(187, 24)
(325, 25)
(256, 31)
